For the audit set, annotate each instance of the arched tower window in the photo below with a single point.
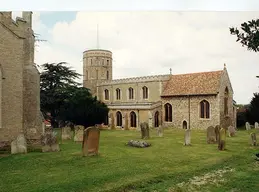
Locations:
(133, 119)
(204, 109)
(86, 75)
(226, 96)
(131, 93)
(118, 118)
(145, 92)
(106, 94)
(118, 94)
(107, 74)
(107, 62)
(168, 112)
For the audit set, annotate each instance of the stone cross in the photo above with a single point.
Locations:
(170, 71)
(91, 141)
(248, 127)
(187, 137)
(160, 131)
(49, 141)
(211, 135)
(144, 130)
(222, 139)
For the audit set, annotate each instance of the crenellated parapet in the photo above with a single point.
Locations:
(18, 27)
(136, 80)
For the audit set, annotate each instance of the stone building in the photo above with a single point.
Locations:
(19, 81)
(195, 100)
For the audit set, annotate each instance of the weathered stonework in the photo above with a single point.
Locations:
(19, 81)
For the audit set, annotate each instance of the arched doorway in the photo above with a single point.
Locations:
(133, 119)
(118, 119)
(184, 125)
(156, 119)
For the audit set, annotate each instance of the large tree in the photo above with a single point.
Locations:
(56, 81)
(81, 108)
(253, 110)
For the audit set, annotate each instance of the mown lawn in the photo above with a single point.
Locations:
(165, 166)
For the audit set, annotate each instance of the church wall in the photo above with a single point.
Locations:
(180, 111)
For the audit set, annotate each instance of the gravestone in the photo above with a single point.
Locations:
(217, 129)
(222, 139)
(248, 127)
(231, 131)
(19, 145)
(211, 135)
(91, 141)
(66, 133)
(144, 130)
(160, 131)
(187, 137)
(79, 133)
(256, 125)
(253, 139)
(49, 141)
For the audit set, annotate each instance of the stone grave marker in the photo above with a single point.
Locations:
(211, 135)
(187, 137)
(144, 130)
(253, 139)
(91, 141)
(160, 131)
(256, 125)
(49, 141)
(222, 139)
(231, 131)
(79, 133)
(19, 145)
(248, 127)
(217, 129)
(66, 133)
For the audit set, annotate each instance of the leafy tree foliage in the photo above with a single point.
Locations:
(249, 34)
(253, 110)
(81, 108)
(56, 81)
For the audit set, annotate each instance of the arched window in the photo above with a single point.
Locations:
(118, 119)
(106, 94)
(156, 119)
(131, 93)
(204, 109)
(168, 112)
(107, 75)
(133, 119)
(107, 62)
(145, 92)
(118, 94)
(226, 95)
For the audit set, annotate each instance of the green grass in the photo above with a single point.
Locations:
(121, 168)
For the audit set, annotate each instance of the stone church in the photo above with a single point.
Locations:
(19, 81)
(194, 100)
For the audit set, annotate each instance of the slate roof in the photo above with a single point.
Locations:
(203, 83)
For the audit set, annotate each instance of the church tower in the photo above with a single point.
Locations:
(97, 68)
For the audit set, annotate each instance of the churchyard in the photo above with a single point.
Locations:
(166, 165)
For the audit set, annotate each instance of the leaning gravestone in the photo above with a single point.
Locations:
(253, 139)
(144, 130)
(211, 135)
(248, 127)
(222, 139)
(79, 133)
(187, 137)
(256, 125)
(160, 131)
(91, 141)
(19, 145)
(231, 131)
(217, 129)
(66, 133)
(49, 141)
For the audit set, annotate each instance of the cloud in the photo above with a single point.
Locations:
(147, 43)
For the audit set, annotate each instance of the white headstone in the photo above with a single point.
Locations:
(160, 131)
(187, 137)
(248, 127)
(19, 145)
(256, 125)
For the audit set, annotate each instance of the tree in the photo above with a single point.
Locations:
(81, 108)
(249, 36)
(56, 81)
(253, 110)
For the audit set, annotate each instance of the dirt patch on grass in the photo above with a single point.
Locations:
(195, 183)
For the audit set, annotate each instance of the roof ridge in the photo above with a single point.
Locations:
(198, 72)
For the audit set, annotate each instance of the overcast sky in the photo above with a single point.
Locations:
(151, 42)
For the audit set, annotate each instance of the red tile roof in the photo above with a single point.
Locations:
(202, 83)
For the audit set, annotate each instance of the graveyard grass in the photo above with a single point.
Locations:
(165, 166)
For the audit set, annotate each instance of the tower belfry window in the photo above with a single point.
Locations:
(107, 62)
